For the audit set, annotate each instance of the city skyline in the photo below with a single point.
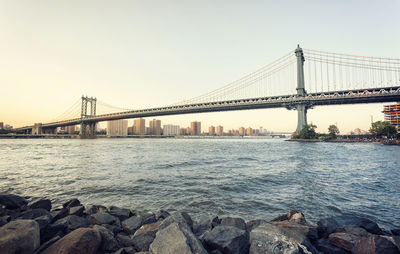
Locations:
(148, 63)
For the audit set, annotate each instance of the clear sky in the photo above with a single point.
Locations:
(139, 54)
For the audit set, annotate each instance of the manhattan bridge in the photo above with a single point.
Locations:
(299, 80)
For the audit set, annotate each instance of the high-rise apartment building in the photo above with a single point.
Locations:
(220, 130)
(249, 131)
(170, 130)
(242, 131)
(155, 127)
(1, 125)
(117, 128)
(140, 126)
(392, 114)
(211, 130)
(70, 129)
(182, 131)
(195, 128)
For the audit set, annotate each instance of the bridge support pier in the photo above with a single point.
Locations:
(37, 129)
(88, 130)
(301, 116)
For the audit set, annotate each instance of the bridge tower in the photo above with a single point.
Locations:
(301, 92)
(88, 129)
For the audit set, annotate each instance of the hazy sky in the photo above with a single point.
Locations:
(139, 54)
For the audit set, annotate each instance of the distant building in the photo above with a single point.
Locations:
(211, 130)
(220, 130)
(117, 128)
(155, 127)
(182, 131)
(140, 126)
(392, 114)
(357, 131)
(171, 130)
(249, 131)
(70, 129)
(195, 128)
(188, 131)
(130, 130)
(1, 125)
(242, 131)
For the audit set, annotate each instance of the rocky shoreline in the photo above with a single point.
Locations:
(32, 225)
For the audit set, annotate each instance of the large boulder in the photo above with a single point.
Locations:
(329, 225)
(268, 238)
(73, 222)
(132, 224)
(51, 231)
(206, 225)
(41, 203)
(178, 217)
(227, 239)
(11, 201)
(76, 210)
(303, 228)
(108, 242)
(103, 218)
(376, 244)
(234, 222)
(324, 246)
(145, 235)
(19, 236)
(33, 214)
(71, 203)
(79, 241)
(176, 238)
(293, 216)
(96, 209)
(120, 213)
(59, 214)
(162, 214)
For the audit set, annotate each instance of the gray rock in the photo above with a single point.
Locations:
(305, 229)
(3, 221)
(11, 201)
(120, 213)
(77, 210)
(102, 218)
(43, 222)
(250, 225)
(176, 238)
(96, 209)
(395, 231)
(234, 222)
(376, 244)
(268, 238)
(19, 236)
(34, 213)
(179, 218)
(343, 240)
(79, 241)
(108, 242)
(71, 203)
(113, 228)
(142, 242)
(324, 246)
(47, 244)
(329, 225)
(126, 250)
(227, 239)
(41, 203)
(161, 215)
(149, 229)
(147, 218)
(52, 231)
(132, 224)
(59, 214)
(73, 222)
(124, 240)
(293, 216)
(208, 224)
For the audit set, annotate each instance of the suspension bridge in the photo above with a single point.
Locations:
(330, 79)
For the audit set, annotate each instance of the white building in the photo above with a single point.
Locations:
(170, 130)
(117, 128)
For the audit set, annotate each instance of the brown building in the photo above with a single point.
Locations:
(70, 129)
(195, 128)
(155, 127)
(242, 131)
(249, 131)
(1, 125)
(117, 128)
(182, 131)
(392, 114)
(220, 130)
(140, 126)
(211, 130)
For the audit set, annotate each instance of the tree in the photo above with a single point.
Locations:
(308, 132)
(382, 129)
(333, 130)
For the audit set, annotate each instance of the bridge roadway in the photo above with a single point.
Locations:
(373, 95)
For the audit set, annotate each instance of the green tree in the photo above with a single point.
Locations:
(308, 132)
(382, 129)
(333, 130)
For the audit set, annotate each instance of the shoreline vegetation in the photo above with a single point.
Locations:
(32, 225)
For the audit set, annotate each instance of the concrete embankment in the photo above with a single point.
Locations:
(32, 225)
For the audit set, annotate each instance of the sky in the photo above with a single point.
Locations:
(142, 54)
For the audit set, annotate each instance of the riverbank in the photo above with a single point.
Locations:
(32, 225)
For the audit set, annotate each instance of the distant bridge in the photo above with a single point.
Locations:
(333, 79)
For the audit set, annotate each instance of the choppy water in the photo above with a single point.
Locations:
(250, 178)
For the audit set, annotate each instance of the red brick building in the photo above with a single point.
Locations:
(392, 114)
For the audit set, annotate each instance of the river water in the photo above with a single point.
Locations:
(249, 178)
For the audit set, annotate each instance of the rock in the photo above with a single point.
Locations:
(206, 225)
(19, 236)
(47, 244)
(3, 221)
(76, 210)
(124, 240)
(59, 214)
(79, 241)
(132, 224)
(43, 222)
(11, 201)
(227, 239)
(268, 238)
(162, 214)
(149, 229)
(395, 231)
(41, 203)
(345, 241)
(252, 224)
(34, 213)
(73, 202)
(307, 230)
(188, 219)
(142, 242)
(102, 218)
(73, 222)
(113, 228)
(292, 215)
(354, 230)
(96, 209)
(147, 218)
(176, 238)
(180, 218)
(108, 242)
(234, 222)
(120, 213)
(52, 231)
(127, 250)
(375, 244)
(324, 246)
(329, 225)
